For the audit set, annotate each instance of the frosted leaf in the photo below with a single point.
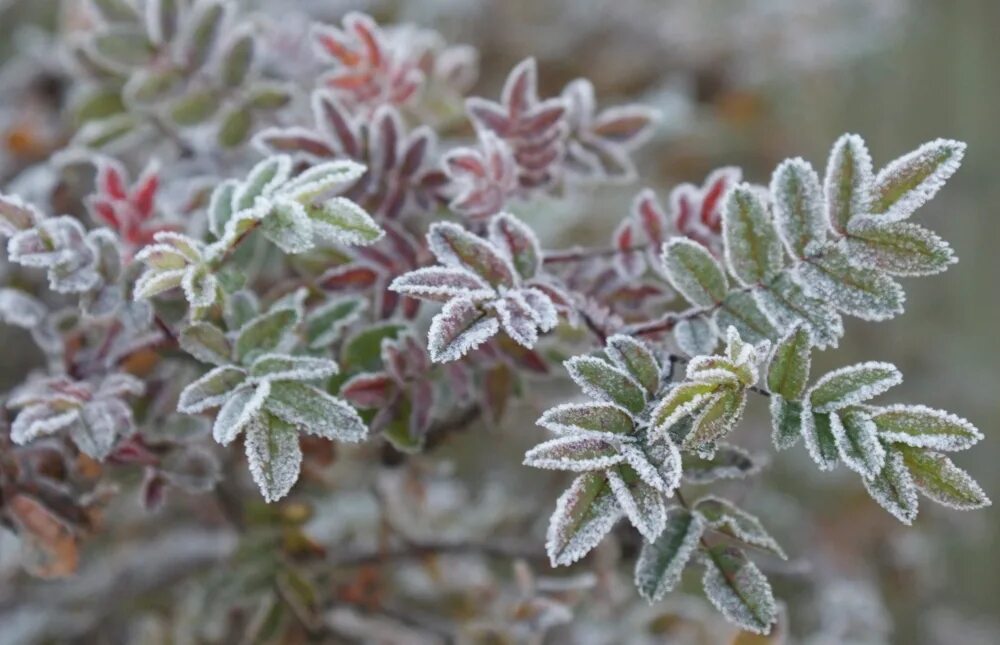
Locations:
(923, 427)
(898, 248)
(188, 247)
(323, 178)
(737, 588)
(267, 332)
(315, 411)
(752, 249)
(20, 309)
(857, 442)
(441, 284)
(660, 468)
(740, 310)
(570, 418)
(574, 453)
(693, 272)
(724, 516)
(788, 370)
(119, 385)
(206, 342)
(541, 304)
(240, 308)
(517, 319)
(41, 420)
(288, 226)
(635, 357)
(17, 215)
(282, 367)
(370, 390)
(274, 456)
(162, 257)
(909, 182)
(695, 336)
(728, 462)
(100, 423)
(341, 220)
(518, 244)
(262, 180)
(326, 323)
(604, 382)
(643, 504)
(220, 206)
(848, 182)
(798, 206)
(239, 411)
(583, 516)
(860, 292)
(454, 246)
(52, 242)
(460, 326)
(200, 286)
(893, 488)
(819, 438)
(938, 478)
(786, 422)
(786, 304)
(681, 401)
(662, 561)
(853, 384)
(716, 419)
(152, 282)
(210, 390)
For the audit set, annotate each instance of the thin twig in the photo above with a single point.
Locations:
(417, 551)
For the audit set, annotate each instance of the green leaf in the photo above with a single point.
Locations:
(151, 86)
(204, 31)
(603, 381)
(206, 342)
(717, 418)
(273, 455)
(853, 384)
(737, 588)
(727, 462)
(197, 106)
(325, 323)
(893, 488)
(237, 121)
(211, 390)
(661, 562)
(753, 251)
(341, 220)
(788, 371)
(740, 310)
(786, 305)
(288, 226)
(123, 47)
(798, 206)
(323, 178)
(848, 182)
(312, 410)
(913, 179)
(923, 427)
(98, 103)
(938, 478)
(693, 271)
(98, 134)
(857, 291)
(266, 333)
(237, 58)
(576, 453)
(786, 422)
(681, 401)
(363, 351)
(584, 514)
(268, 96)
(113, 11)
(262, 180)
(725, 517)
(819, 438)
(857, 442)
(898, 248)
(695, 336)
(587, 417)
(636, 359)
(284, 367)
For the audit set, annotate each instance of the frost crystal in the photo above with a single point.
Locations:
(893, 488)
(584, 514)
(853, 384)
(738, 589)
(661, 562)
(923, 427)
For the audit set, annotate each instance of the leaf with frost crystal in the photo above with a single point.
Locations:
(909, 182)
(853, 384)
(605, 382)
(864, 293)
(753, 251)
(206, 342)
(693, 271)
(287, 225)
(923, 427)
(857, 442)
(584, 514)
(587, 417)
(341, 220)
(273, 455)
(682, 400)
(893, 488)
(662, 561)
(740, 310)
(634, 357)
(40, 420)
(517, 319)
(441, 284)
(99, 426)
(454, 246)
(848, 182)
(938, 478)
(898, 248)
(282, 367)
(220, 206)
(798, 206)
(314, 411)
(716, 419)
(642, 503)
(820, 441)
(322, 179)
(695, 336)
(573, 453)
(325, 323)
(460, 326)
(16, 215)
(788, 370)
(266, 333)
(727, 462)
(786, 304)
(725, 517)
(239, 411)
(737, 588)
(210, 390)
(518, 243)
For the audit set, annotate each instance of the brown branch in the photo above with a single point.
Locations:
(419, 550)
(580, 254)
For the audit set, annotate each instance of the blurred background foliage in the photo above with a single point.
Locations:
(739, 83)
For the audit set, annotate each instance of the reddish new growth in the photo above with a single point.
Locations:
(128, 209)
